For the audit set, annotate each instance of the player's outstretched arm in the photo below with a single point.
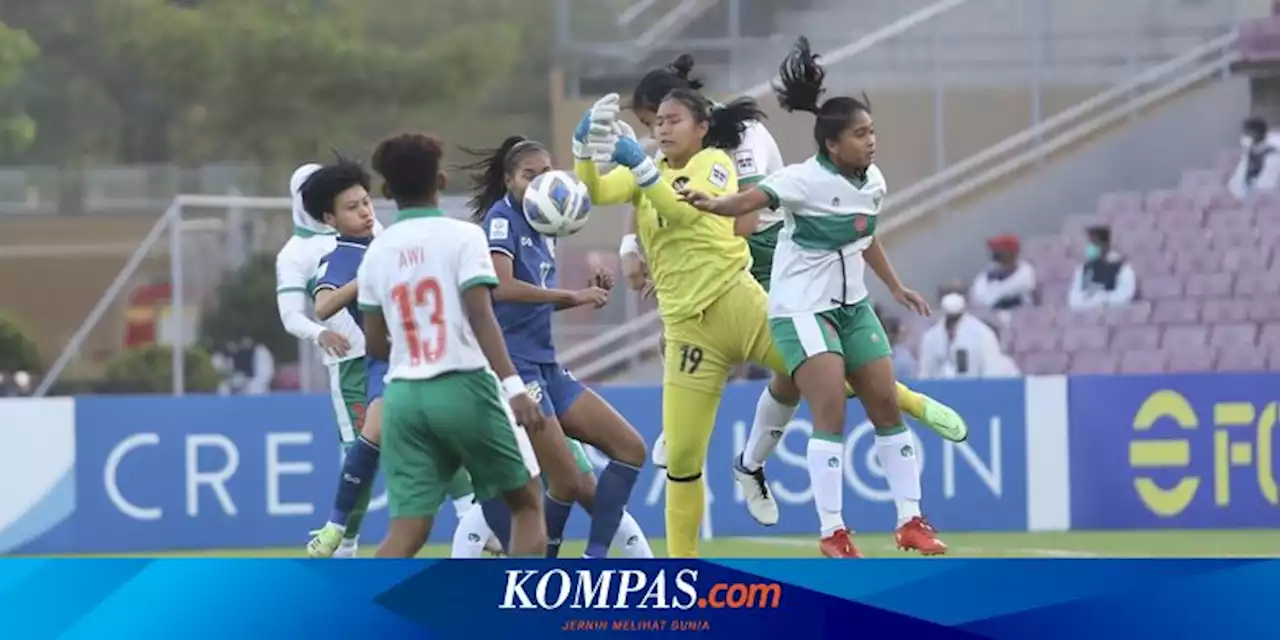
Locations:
(331, 301)
(512, 289)
(615, 187)
(736, 205)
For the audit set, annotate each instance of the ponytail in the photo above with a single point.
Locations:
(489, 172)
(728, 123)
(656, 84)
(800, 88)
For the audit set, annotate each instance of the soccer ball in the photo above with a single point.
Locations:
(556, 204)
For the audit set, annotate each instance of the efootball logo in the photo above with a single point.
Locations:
(612, 589)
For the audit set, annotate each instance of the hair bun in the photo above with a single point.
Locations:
(682, 68)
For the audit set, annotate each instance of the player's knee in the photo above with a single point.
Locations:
(631, 449)
(784, 389)
(684, 464)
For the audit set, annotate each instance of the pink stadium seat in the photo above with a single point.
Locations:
(1111, 204)
(1258, 283)
(1041, 316)
(1166, 200)
(1242, 359)
(1264, 309)
(1150, 263)
(1136, 313)
(1094, 362)
(1200, 179)
(1086, 318)
(1044, 363)
(1202, 260)
(1213, 198)
(1054, 293)
(1207, 285)
(1230, 220)
(1124, 223)
(1264, 200)
(1184, 337)
(1043, 247)
(1250, 258)
(1270, 336)
(1160, 287)
(1226, 162)
(1186, 241)
(1190, 359)
(1031, 340)
(1224, 310)
(1240, 334)
(1060, 268)
(1084, 338)
(1180, 220)
(1175, 311)
(1135, 338)
(1142, 361)
(1136, 241)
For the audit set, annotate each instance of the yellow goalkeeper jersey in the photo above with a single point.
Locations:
(693, 256)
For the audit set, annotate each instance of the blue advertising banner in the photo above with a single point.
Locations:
(207, 472)
(1189, 451)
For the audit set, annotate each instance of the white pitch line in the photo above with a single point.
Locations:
(1047, 553)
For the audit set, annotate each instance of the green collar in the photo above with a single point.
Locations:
(303, 232)
(827, 164)
(418, 212)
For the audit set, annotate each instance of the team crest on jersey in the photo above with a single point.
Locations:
(499, 229)
(679, 183)
(719, 176)
(746, 161)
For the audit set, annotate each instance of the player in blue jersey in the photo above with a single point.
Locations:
(524, 302)
(338, 195)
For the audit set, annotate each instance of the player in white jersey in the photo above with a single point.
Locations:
(424, 290)
(820, 314)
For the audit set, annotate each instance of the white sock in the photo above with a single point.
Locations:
(826, 476)
(630, 541)
(766, 430)
(348, 548)
(897, 455)
(462, 505)
(471, 534)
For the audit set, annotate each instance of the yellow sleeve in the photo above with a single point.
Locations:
(615, 187)
(711, 172)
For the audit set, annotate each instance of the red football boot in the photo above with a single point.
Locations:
(918, 535)
(838, 545)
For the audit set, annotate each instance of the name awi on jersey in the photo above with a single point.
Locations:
(600, 589)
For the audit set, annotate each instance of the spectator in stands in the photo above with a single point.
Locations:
(905, 366)
(1259, 166)
(960, 346)
(1105, 279)
(1009, 282)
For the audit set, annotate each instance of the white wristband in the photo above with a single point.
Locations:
(513, 386)
(629, 246)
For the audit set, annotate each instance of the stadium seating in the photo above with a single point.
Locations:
(1208, 281)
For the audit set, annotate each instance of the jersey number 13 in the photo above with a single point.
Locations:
(426, 293)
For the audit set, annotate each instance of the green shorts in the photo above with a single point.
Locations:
(432, 428)
(854, 332)
(346, 392)
(762, 245)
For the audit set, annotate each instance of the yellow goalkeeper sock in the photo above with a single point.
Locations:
(685, 501)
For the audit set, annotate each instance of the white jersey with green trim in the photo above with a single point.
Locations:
(297, 266)
(829, 220)
(414, 274)
(757, 157)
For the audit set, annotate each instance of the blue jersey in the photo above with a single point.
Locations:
(527, 327)
(339, 268)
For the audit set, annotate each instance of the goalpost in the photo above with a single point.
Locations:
(203, 237)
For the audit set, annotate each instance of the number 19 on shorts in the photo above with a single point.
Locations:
(409, 301)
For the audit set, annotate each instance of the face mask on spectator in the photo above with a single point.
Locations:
(952, 305)
(1246, 142)
(1092, 252)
